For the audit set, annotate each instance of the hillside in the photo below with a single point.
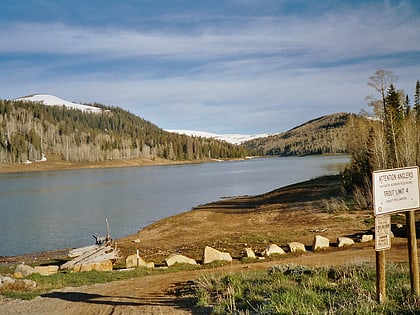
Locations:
(33, 131)
(326, 134)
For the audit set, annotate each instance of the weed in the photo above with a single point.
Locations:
(294, 289)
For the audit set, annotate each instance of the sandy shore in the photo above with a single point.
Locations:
(55, 164)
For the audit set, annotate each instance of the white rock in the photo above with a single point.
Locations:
(296, 247)
(6, 280)
(366, 238)
(24, 270)
(273, 249)
(344, 241)
(46, 270)
(29, 283)
(211, 255)
(320, 242)
(249, 253)
(179, 259)
(134, 261)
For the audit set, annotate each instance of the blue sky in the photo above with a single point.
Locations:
(234, 66)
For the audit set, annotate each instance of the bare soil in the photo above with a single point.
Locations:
(294, 213)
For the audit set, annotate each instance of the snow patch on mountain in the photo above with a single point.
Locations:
(51, 100)
(230, 138)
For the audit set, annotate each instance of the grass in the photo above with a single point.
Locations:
(295, 289)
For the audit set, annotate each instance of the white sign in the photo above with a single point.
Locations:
(382, 232)
(395, 190)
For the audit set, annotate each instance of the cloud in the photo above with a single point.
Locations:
(222, 73)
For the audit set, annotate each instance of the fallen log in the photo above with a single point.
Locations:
(98, 254)
(76, 252)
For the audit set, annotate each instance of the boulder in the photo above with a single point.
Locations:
(23, 270)
(296, 247)
(30, 284)
(6, 280)
(211, 255)
(320, 242)
(134, 261)
(179, 259)
(344, 241)
(249, 253)
(105, 265)
(273, 249)
(366, 238)
(46, 270)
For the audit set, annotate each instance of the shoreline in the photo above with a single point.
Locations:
(56, 164)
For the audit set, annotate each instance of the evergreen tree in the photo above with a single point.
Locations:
(417, 99)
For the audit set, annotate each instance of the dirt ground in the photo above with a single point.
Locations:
(293, 213)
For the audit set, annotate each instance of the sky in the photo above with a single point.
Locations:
(234, 66)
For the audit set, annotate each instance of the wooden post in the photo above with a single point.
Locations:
(380, 276)
(412, 251)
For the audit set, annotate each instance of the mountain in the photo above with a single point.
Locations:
(231, 138)
(326, 134)
(32, 128)
(51, 100)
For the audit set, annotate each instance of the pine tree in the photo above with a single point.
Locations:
(417, 99)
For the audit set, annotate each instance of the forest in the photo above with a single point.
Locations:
(29, 131)
(326, 134)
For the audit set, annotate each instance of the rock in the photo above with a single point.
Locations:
(46, 270)
(6, 280)
(273, 249)
(105, 265)
(250, 253)
(344, 241)
(179, 259)
(320, 242)
(137, 240)
(211, 254)
(366, 238)
(29, 283)
(23, 271)
(134, 261)
(296, 247)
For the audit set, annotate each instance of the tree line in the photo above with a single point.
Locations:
(387, 138)
(326, 134)
(30, 130)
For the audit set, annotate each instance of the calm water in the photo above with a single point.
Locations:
(60, 209)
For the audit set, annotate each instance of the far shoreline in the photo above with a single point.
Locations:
(56, 164)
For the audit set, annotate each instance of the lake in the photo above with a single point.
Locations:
(61, 209)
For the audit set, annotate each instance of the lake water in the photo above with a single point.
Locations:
(62, 209)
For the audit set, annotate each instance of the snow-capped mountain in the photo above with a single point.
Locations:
(52, 100)
(231, 138)
(47, 99)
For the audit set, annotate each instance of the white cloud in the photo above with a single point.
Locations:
(254, 74)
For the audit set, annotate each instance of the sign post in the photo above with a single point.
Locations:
(412, 252)
(395, 190)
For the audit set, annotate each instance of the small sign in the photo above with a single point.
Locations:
(382, 232)
(395, 190)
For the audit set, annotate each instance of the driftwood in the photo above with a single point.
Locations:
(97, 254)
(76, 252)
(100, 252)
(103, 239)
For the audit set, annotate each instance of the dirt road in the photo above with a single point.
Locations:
(164, 293)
